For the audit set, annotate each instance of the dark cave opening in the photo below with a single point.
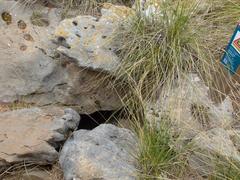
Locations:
(90, 121)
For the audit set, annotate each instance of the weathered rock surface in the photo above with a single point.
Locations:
(210, 145)
(31, 72)
(88, 40)
(190, 108)
(105, 152)
(196, 120)
(33, 134)
(24, 49)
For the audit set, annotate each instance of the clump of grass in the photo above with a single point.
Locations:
(219, 23)
(216, 26)
(226, 169)
(91, 7)
(71, 8)
(32, 171)
(39, 19)
(156, 51)
(157, 156)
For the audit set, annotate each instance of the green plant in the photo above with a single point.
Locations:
(156, 51)
(158, 157)
(226, 170)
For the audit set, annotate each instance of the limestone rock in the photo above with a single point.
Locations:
(24, 51)
(105, 152)
(31, 135)
(32, 73)
(87, 40)
(190, 108)
(209, 145)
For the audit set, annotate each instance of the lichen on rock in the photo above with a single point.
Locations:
(87, 40)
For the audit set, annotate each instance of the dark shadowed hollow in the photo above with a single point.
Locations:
(90, 121)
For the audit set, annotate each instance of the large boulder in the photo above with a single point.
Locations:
(32, 135)
(88, 40)
(106, 152)
(32, 71)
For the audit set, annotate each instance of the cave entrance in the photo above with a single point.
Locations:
(90, 121)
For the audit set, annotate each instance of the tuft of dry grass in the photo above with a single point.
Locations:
(26, 171)
(76, 7)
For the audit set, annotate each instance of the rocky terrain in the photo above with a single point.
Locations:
(55, 71)
(47, 67)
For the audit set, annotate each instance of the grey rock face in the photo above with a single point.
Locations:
(88, 40)
(31, 135)
(190, 108)
(30, 71)
(24, 50)
(209, 145)
(106, 152)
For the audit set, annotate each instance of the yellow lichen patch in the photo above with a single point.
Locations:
(91, 39)
(75, 43)
(61, 32)
(155, 3)
(102, 58)
(3, 108)
(120, 11)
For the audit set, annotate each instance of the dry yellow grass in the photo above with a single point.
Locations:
(33, 172)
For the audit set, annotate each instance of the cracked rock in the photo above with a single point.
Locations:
(31, 135)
